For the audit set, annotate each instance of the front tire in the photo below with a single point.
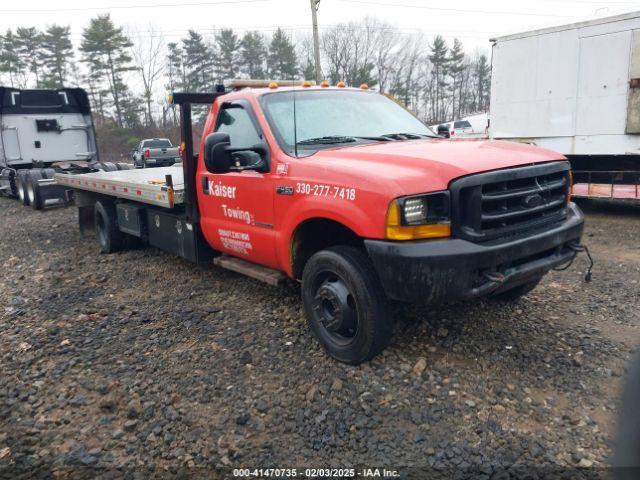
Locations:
(109, 236)
(345, 304)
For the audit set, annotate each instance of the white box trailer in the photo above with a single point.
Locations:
(575, 89)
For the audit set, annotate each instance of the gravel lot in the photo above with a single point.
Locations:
(140, 362)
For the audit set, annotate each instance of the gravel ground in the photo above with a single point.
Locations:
(139, 362)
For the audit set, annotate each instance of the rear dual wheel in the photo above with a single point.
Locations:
(345, 304)
(33, 188)
(21, 187)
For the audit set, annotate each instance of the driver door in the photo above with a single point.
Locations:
(238, 206)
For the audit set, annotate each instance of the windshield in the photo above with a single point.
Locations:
(160, 143)
(331, 114)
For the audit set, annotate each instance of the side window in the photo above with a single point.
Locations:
(236, 121)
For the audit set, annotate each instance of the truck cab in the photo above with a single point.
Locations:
(321, 182)
(346, 192)
(40, 128)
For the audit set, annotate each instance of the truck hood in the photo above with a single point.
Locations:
(416, 166)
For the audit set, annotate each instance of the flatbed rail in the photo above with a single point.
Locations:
(163, 187)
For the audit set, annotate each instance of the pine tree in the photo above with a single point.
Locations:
(282, 61)
(175, 67)
(253, 54)
(482, 80)
(10, 61)
(175, 74)
(56, 56)
(28, 43)
(308, 69)
(307, 62)
(198, 63)
(132, 109)
(228, 55)
(456, 67)
(439, 61)
(105, 51)
(364, 74)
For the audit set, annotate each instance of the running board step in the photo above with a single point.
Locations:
(253, 270)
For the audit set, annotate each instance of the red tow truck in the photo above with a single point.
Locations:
(345, 191)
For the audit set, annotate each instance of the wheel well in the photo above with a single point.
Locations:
(314, 235)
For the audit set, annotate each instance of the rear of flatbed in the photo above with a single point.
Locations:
(163, 187)
(157, 206)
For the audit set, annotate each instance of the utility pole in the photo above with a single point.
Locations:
(315, 4)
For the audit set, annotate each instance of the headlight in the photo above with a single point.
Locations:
(415, 211)
(419, 216)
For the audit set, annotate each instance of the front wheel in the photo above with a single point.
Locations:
(345, 304)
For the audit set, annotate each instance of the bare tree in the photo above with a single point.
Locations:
(148, 52)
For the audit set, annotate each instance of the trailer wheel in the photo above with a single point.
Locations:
(33, 188)
(516, 292)
(105, 220)
(21, 187)
(345, 304)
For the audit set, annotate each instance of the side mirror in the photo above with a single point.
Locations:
(220, 157)
(216, 156)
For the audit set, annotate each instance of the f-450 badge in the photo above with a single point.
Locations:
(284, 190)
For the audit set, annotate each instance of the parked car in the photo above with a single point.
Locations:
(155, 152)
(472, 126)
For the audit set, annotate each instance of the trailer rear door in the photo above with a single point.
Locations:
(602, 84)
(633, 104)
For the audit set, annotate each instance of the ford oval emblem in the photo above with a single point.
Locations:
(532, 201)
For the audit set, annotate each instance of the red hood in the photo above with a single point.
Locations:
(417, 166)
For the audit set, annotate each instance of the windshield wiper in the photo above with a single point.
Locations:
(328, 140)
(378, 139)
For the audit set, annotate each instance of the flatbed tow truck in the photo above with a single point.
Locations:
(346, 192)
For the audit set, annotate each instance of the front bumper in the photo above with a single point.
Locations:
(432, 271)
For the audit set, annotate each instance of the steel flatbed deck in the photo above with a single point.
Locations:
(162, 186)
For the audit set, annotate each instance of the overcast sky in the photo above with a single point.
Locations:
(474, 22)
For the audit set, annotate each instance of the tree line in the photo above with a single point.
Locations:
(435, 80)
